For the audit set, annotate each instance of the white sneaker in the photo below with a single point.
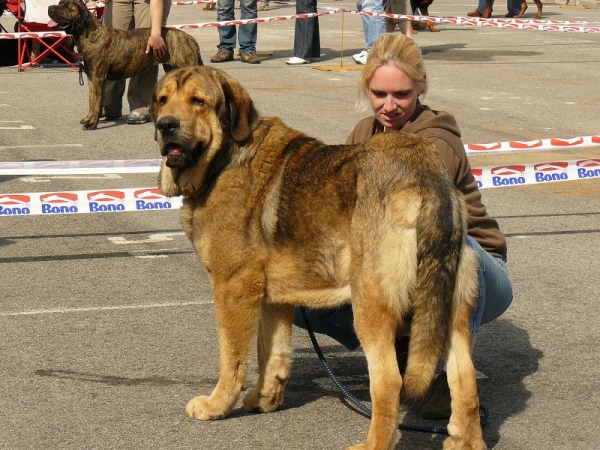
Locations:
(361, 58)
(295, 61)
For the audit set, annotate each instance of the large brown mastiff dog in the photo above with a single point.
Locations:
(280, 219)
(110, 54)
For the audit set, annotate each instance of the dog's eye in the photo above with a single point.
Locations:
(197, 101)
(162, 101)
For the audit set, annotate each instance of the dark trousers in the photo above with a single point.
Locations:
(307, 44)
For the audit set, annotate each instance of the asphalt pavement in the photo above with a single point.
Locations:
(107, 325)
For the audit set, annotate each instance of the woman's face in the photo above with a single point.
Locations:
(393, 95)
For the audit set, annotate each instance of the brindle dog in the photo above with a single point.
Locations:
(110, 54)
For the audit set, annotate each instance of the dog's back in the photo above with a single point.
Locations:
(392, 206)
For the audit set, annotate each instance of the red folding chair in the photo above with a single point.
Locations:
(32, 16)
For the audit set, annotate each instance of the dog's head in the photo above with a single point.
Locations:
(69, 15)
(200, 115)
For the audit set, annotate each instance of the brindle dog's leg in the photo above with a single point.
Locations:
(274, 362)
(237, 316)
(96, 95)
(538, 3)
(523, 9)
(86, 120)
(487, 12)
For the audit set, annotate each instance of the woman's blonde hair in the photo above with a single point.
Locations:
(396, 49)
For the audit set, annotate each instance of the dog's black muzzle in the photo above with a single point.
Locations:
(168, 125)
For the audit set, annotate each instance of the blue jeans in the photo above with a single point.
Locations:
(247, 32)
(513, 6)
(372, 26)
(307, 43)
(495, 296)
(494, 285)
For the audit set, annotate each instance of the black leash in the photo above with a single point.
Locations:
(483, 411)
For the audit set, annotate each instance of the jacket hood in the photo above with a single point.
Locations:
(432, 121)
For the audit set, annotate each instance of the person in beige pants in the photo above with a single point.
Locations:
(126, 15)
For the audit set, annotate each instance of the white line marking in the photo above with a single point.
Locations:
(144, 255)
(49, 178)
(22, 127)
(155, 237)
(34, 312)
(4, 147)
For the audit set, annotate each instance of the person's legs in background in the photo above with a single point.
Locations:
(139, 91)
(307, 43)
(228, 34)
(372, 26)
(118, 14)
(479, 11)
(514, 8)
(398, 7)
(247, 33)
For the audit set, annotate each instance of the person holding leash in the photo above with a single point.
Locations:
(391, 82)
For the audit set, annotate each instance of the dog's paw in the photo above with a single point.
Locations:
(88, 124)
(357, 447)
(454, 443)
(254, 401)
(201, 408)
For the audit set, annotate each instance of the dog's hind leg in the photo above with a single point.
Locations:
(237, 303)
(273, 354)
(489, 7)
(375, 326)
(538, 3)
(523, 9)
(464, 426)
(383, 273)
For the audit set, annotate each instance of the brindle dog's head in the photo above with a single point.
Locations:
(70, 15)
(200, 114)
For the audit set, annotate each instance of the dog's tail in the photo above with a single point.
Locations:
(441, 234)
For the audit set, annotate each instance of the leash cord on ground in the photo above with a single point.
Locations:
(483, 411)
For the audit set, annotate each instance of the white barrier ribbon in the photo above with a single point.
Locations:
(152, 199)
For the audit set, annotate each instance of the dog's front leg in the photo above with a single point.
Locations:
(237, 317)
(376, 327)
(273, 352)
(86, 120)
(95, 97)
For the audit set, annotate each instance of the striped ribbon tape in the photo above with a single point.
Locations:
(522, 24)
(517, 24)
(534, 145)
(152, 199)
(89, 167)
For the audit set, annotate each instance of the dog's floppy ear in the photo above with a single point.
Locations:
(241, 107)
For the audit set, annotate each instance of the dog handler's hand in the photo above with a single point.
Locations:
(157, 45)
(156, 42)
